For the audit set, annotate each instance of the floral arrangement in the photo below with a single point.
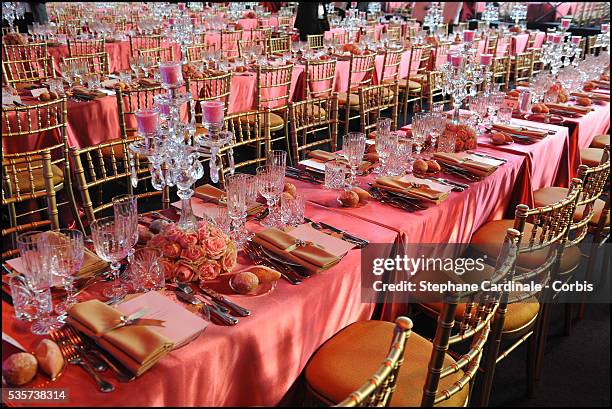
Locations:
(465, 136)
(201, 255)
(556, 93)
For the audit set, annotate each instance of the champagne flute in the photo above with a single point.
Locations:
(237, 197)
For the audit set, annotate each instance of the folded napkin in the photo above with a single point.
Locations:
(324, 156)
(87, 93)
(464, 161)
(518, 130)
(137, 347)
(409, 188)
(310, 256)
(209, 193)
(570, 108)
(147, 82)
(602, 97)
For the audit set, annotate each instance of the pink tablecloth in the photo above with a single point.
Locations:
(254, 362)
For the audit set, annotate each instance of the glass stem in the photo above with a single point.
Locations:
(187, 220)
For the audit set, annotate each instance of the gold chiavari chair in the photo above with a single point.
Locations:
(537, 65)
(531, 39)
(411, 88)
(108, 167)
(27, 71)
(391, 64)
(361, 74)
(284, 22)
(229, 42)
(523, 67)
(461, 27)
(96, 63)
(491, 44)
(378, 390)
(144, 42)
(251, 141)
(35, 174)
(21, 52)
(197, 53)
(435, 87)
(591, 45)
(315, 41)
(544, 232)
(431, 376)
(215, 88)
(243, 45)
(341, 38)
(394, 33)
(85, 47)
(501, 71)
(319, 78)
(157, 55)
(590, 213)
(130, 101)
(279, 45)
(314, 122)
(375, 99)
(257, 33)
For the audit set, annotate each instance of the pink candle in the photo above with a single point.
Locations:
(146, 120)
(212, 112)
(457, 60)
(576, 39)
(171, 73)
(556, 39)
(468, 36)
(486, 59)
(565, 23)
(181, 6)
(449, 57)
(605, 27)
(549, 38)
(171, 21)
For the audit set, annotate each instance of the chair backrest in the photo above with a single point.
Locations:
(257, 33)
(245, 46)
(375, 99)
(129, 101)
(37, 171)
(474, 326)
(144, 42)
(391, 64)
(313, 122)
(340, 37)
(157, 55)
(523, 65)
(501, 70)
(284, 21)
(394, 33)
(319, 78)
(441, 51)
(30, 70)
(20, 52)
(315, 41)
(229, 42)
(85, 47)
(215, 88)
(199, 52)
(491, 46)
(379, 389)
(96, 63)
(273, 87)
(361, 71)
(279, 45)
(251, 144)
(107, 167)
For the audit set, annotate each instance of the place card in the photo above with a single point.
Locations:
(36, 92)
(510, 103)
(313, 164)
(180, 325)
(430, 183)
(9, 99)
(333, 245)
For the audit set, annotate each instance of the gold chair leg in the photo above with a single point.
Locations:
(532, 350)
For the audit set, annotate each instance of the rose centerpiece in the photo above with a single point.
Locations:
(199, 255)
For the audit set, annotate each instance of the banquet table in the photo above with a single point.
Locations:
(254, 362)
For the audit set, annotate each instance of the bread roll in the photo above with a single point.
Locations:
(420, 166)
(49, 357)
(433, 166)
(19, 368)
(265, 274)
(290, 188)
(349, 198)
(245, 282)
(364, 195)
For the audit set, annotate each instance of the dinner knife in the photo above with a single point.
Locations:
(241, 311)
(358, 240)
(214, 312)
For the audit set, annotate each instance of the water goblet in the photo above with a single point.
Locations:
(386, 144)
(354, 148)
(66, 253)
(146, 272)
(111, 244)
(236, 191)
(335, 174)
(271, 182)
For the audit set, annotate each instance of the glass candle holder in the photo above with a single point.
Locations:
(171, 74)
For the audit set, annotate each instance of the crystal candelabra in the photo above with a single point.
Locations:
(490, 14)
(518, 13)
(12, 11)
(557, 53)
(434, 16)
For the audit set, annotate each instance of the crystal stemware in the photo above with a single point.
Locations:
(271, 182)
(419, 131)
(386, 144)
(33, 249)
(66, 253)
(111, 244)
(125, 210)
(354, 148)
(237, 198)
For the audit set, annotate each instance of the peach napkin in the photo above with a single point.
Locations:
(209, 193)
(137, 347)
(87, 93)
(410, 188)
(307, 254)
(476, 167)
(571, 108)
(147, 82)
(601, 97)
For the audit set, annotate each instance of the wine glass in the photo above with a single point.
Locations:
(134, 65)
(66, 251)
(419, 131)
(236, 190)
(386, 144)
(404, 150)
(33, 251)
(110, 241)
(438, 125)
(270, 179)
(125, 210)
(354, 148)
(480, 105)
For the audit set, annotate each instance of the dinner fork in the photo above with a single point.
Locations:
(258, 259)
(74, 356)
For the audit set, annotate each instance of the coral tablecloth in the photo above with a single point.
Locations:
(255, 362)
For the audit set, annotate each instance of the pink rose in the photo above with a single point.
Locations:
(158, 241)
(171, 250)
(216, 232)
(203, 234)
(173, 234)
(168, 267)
(184, 273)
(188, 239)
(208, 270)
(193, 253)
(215, 247)
(228, 262)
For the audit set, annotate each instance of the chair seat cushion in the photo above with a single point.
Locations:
(412, 85)
(591, 156)
(350, 358)
(549, 195)
(489, 238)
(419, 78)
(23, 178)
(600, 141)
(276, 121)
(353, 99)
